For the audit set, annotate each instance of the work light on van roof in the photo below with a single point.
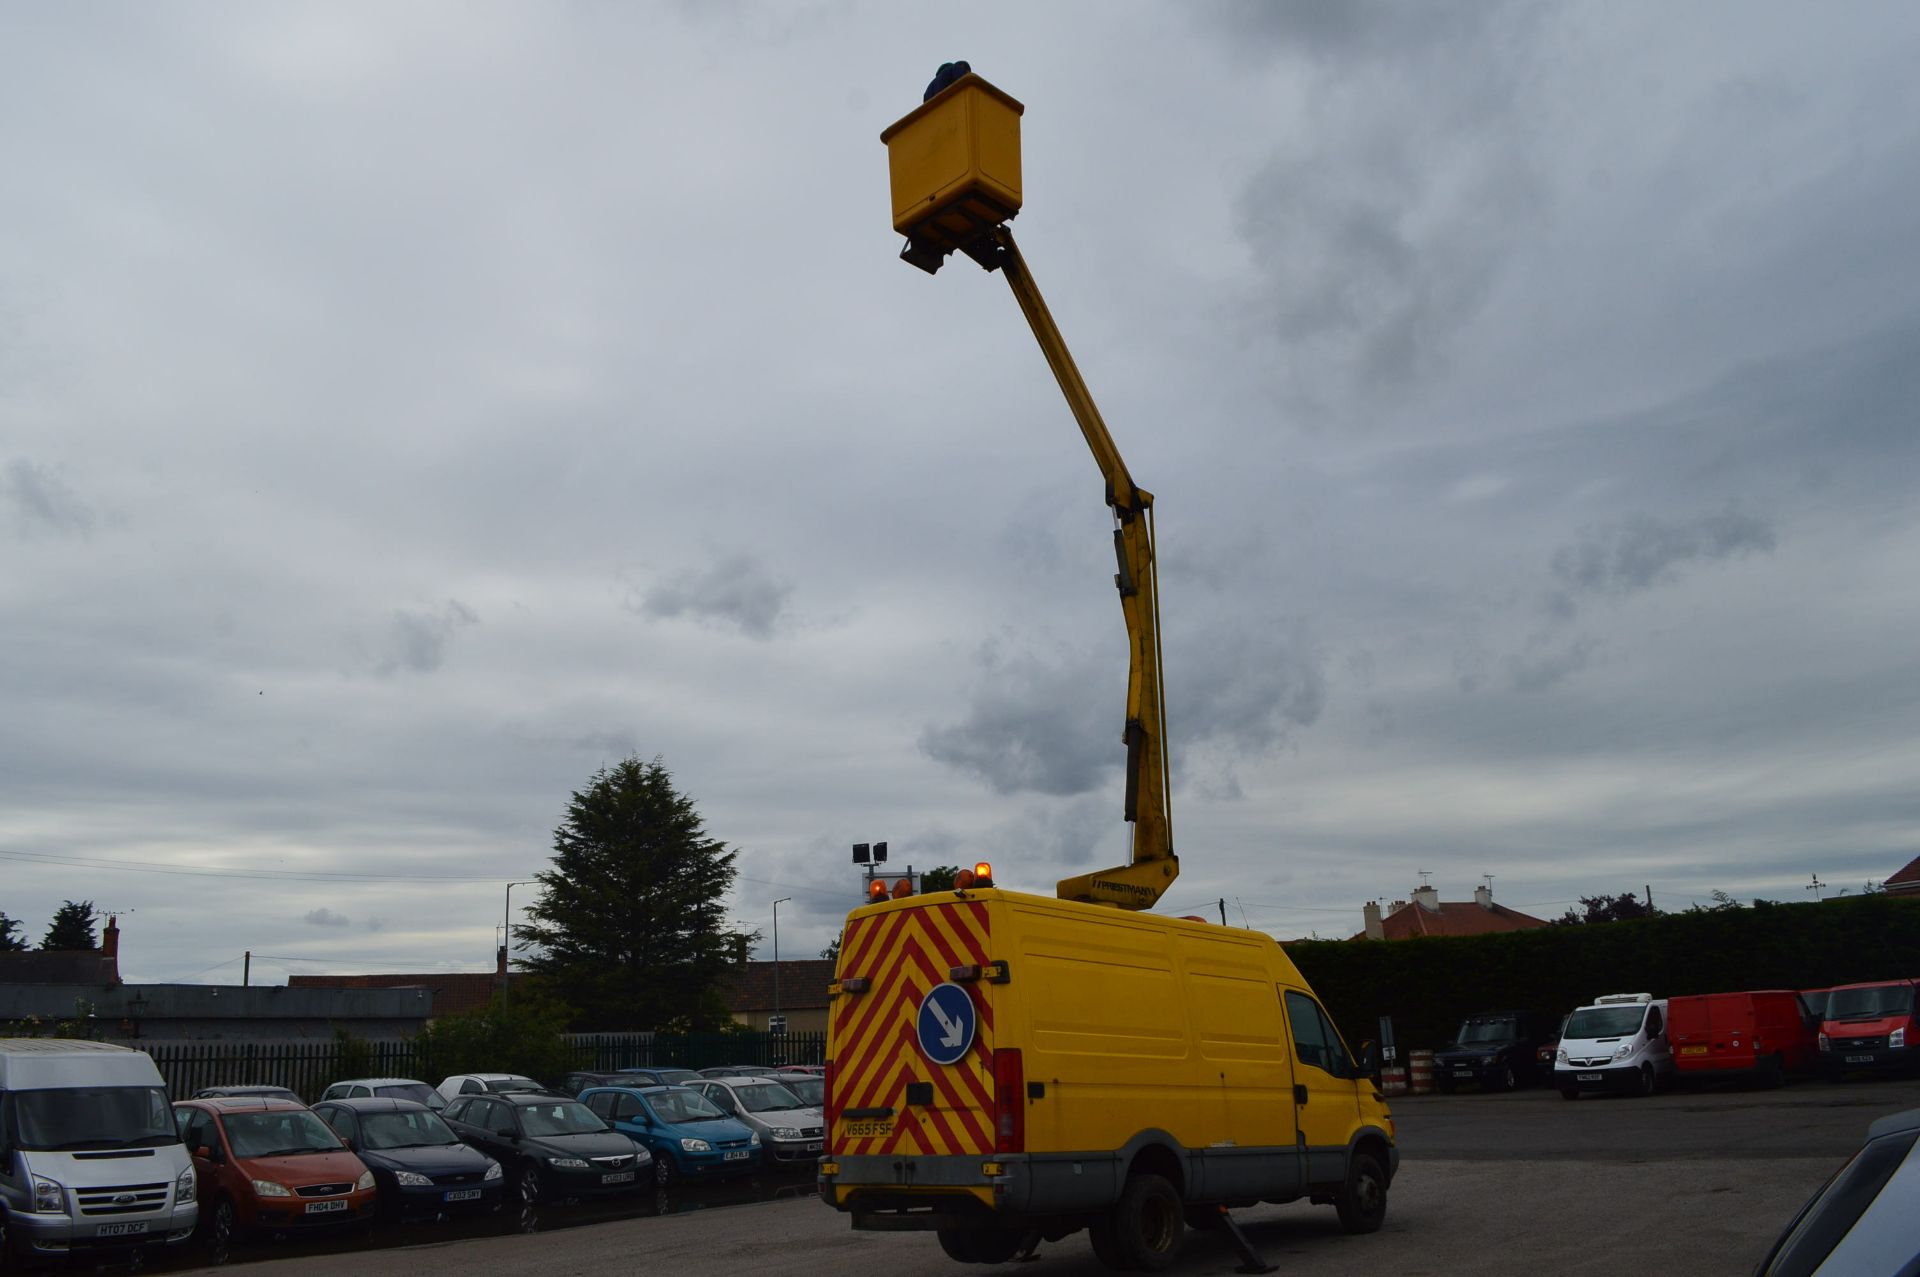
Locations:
(1610, 999)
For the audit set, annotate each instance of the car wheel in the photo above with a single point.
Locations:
(1362, 1203)
(1647, 1082)
(665, 1173)
(1443, 1085)
(1144, 1229)
(1506, 1081)
(220, 1231)
(529, 1192)
(1774, 1074)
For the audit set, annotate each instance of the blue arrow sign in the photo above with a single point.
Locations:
(946, 1023)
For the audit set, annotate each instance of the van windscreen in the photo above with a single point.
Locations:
(84, 1117)
(1605, 1022)
(1870, 1004)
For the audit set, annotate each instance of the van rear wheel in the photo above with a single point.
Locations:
(1143, 1231)
(980, 1245)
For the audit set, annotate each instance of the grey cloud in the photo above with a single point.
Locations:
(324, 917)
(1358, 28)
(39, 501)
(737, 590)
(1039, 725)
(1644, 552)
(417, 641)
(1547, 660)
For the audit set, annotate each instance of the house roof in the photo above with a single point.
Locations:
(454, 992)
(1453, 918)
(77, 966)
(1907, 879)
(803, 985)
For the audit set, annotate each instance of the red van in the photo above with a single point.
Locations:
(1762, 1033)
(1870, 1026)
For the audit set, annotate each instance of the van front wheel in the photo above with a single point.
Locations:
(1362, 1203)
(1143, 1231)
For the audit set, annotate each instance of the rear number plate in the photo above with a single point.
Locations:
(738, 1155)
(463, 1195)
(321, 1208)
(1586, 1077)
(814, 1147)
(867, 1129)
(1693, 1050)
(121, 1230)
(1463, 1072)
(618, 1177)
(1859, 1059)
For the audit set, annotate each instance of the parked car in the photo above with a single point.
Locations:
(419, 1165)
(1861, 1220)
(247, 1092)
(1548, 1051)
(689, 1137)
(811, 1089)
(790, 1132)
(664, 1076)
(1493, 1049)
(476, 1083)
(552, 1146)
(574, 1083)
(1764, 1034)
(1619, 1043)
(77, 1116)
(270, 1165)
(734, 1070)
(392, 1088)
(1869, 1026)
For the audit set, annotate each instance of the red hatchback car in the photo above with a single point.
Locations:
(270, 1166)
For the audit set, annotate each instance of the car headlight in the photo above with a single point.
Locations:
(1560, 1056)
(785, 1132)
(695, 1146)
(48, 1197)
(1898, 1037)
(186, 1186)
(1825, 1043)
(365, 1181)
(753, 1139)
(267, 1188)
(641, 1153)
(493, 1172)
(1623, 1052)
(568, 1163)
(408, 1179)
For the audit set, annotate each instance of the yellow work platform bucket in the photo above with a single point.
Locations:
(954, 162)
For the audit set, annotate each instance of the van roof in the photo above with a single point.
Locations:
(28, 1064)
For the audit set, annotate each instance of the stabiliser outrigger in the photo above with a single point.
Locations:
(955, 164)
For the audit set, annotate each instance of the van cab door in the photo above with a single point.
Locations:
(1326, 1101)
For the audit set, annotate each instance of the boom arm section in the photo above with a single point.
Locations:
(1153, 867)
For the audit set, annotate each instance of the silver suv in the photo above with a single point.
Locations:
(790, 1132)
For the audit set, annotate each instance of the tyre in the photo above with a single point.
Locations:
(527, 1190)
(1647, 1082)
(1144, 1229)
(1505, 1080)
(1569, 1093)
(220, 1232)
(980, 1245)
(666, 1173)
(1443, 1085)
(1362, 1203)
(1773, 1073)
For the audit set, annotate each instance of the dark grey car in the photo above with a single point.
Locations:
(1860, 1223)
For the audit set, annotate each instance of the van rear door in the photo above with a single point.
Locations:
(912, 1032)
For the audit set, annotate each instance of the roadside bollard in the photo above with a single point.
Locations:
(1422, 1066)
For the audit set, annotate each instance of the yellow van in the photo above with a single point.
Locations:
(1007, 1068)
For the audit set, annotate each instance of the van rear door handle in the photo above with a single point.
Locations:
(1299, 1093)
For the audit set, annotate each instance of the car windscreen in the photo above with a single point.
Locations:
(811, 1090)
(766, 1097)
(562, 1117)
(1488, 1030)
(1869, 1004)
(418, 1092)
(278, 1133)
(1605, 1022)
(500, 1084)
(682, 1105)
(408, 1128)
(93, 1117)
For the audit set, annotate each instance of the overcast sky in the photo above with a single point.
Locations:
(408, 410)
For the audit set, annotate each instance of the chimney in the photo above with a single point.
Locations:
(1375, 931)
(1483, 896)
(110, 945)
(1427, 897)
(500, 964)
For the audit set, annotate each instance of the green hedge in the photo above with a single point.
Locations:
(1429, 985)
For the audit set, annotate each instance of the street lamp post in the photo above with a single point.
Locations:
(506, 937)
(776, 953)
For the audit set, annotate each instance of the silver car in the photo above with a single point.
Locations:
(790, 1132)
(1860, 1224)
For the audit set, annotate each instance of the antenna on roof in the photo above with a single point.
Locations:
(1425, 874)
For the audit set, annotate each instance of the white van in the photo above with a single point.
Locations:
(1619, 1043)
(89, 1159)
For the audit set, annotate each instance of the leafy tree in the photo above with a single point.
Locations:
(939, 878)
(521, 1036)
(72, 927)
(11, 941)
(631, 929)
(1607, 909)
(832, 952)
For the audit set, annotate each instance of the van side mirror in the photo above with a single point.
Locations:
(1370, 1059)
(207, 1152)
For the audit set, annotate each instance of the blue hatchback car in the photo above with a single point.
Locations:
(419, 1164)
(688, 1136)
